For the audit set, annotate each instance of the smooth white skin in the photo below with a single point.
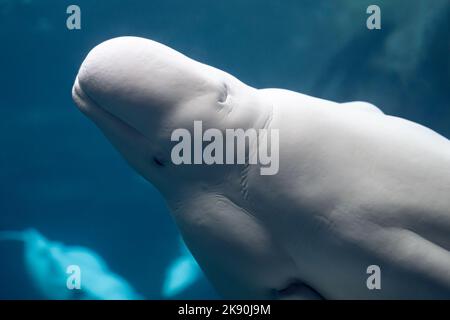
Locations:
(355, 187)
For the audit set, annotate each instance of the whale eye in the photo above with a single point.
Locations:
(158, 162)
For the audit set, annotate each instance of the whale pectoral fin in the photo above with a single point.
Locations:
(298, 291)
(364, 106)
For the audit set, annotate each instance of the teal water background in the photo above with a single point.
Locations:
(60, 176)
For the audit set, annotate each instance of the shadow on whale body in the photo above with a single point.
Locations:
(355, 187)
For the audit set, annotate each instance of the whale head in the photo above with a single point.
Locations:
(139, 91)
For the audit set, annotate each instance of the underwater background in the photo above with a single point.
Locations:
(73, 198)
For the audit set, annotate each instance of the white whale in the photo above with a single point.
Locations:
(355, 187)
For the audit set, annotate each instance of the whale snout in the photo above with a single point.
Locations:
(115, 75)
(140, 81)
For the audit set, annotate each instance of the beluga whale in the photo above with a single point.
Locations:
(355, 189)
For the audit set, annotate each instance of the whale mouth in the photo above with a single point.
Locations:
(88, 105)
(79, 96)
(101, 116)
(137, 149)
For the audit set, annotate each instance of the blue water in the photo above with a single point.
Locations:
(60, 176)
